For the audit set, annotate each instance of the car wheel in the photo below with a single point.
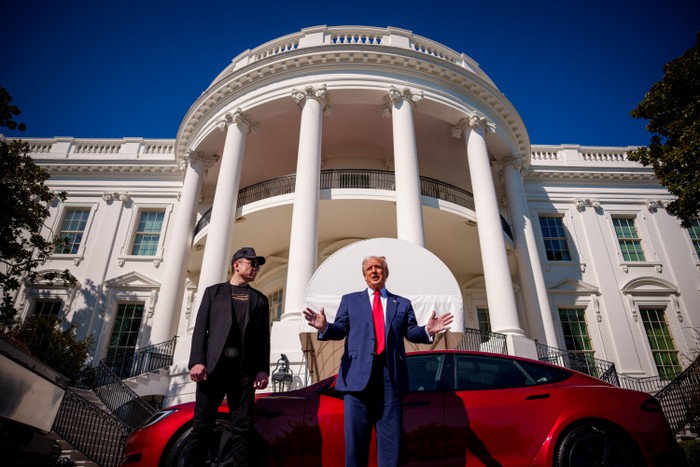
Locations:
(591, 445)
(220, 447)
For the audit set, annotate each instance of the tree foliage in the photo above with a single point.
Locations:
(25, 206)
(52, 341)
(672, 108)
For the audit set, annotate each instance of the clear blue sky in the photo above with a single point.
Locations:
(573, 69)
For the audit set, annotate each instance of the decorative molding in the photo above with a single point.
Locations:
(309, 92)
(653, 205)
(633, 308)
(193, 156)
(473, 121)
(239, 118)
(596, 307)
(396, 96)
(677, 308)
(582, 203)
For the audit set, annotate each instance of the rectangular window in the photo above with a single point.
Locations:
(694, 232)
(482, 315)
(125, 333)
(275, 299)
(575, 329)
(554, 236)
(71, 234)
(628, 238)
(147, 233)
(48, 308)
(661, 342)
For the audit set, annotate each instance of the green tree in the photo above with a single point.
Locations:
(672, 108)
(26, 200)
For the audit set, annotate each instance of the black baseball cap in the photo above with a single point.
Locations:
(248, 253)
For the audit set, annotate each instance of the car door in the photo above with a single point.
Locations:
(423, 420)
(498, 414)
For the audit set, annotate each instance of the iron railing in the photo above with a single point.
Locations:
(124, 403)
(90, 430)
(482, 341)
(350, 178)
(130, 363)
(650, 384)
(680, 399)
(601, 369)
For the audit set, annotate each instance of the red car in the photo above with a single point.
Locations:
(463, 408)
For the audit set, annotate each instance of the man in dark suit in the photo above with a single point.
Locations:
(230, 356)
(373, 374)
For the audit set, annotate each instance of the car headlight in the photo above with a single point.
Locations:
(155, 418)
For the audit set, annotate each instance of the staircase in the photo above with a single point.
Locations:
(96, 417)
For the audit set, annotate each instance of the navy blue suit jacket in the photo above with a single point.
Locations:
(354, 322)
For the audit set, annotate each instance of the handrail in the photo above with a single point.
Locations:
(124, 403)
(130, 363)
(601, 369)
(482, 341)
(96, 432)
(350, 178)
(680, 399)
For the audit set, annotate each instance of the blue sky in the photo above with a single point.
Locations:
(574, 70)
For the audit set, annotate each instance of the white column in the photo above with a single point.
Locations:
(409, 213)
(533, 286)
(303, 242)
(499, 286)
(180, 233)
(217, 253)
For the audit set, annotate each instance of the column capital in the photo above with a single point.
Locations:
(516, 161)
(309, 92)
(473, 121)
(397, 95)
(239, 118)
(193, 156)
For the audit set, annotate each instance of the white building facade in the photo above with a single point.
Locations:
(332, 136)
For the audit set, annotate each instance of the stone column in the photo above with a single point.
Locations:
(499, 287)
(303, 242)
(217, 253)
(409, 214)
(181, 233)
(539, 312)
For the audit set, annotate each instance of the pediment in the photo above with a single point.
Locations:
(132, 280)
(649, 286)
(571, 286)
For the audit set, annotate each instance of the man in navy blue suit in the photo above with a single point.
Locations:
(373, 374)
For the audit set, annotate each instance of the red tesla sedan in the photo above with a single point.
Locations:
(463, 408)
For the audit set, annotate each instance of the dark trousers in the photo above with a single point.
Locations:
(230, 381)
(378, 405)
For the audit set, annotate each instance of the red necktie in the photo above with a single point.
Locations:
(378, 317)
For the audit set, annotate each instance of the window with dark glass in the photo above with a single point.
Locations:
(275, 300)
(661, 342)
(47, 308)
(694, 232)
(554, 237)
(125, 333)
(147, 235)
(628, 238)
(72, 229)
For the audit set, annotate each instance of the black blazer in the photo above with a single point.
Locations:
(213, 323)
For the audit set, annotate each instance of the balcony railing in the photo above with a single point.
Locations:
(481, 341)
(355, 179)
(130, 363)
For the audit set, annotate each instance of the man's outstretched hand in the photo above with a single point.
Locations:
(439, 323)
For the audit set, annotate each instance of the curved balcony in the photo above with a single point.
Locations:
(351, 178)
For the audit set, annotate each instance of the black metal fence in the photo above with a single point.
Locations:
(130, 363)
(601, 369)
(482, 341)
(90, 430)
(124, 403)
(680, 399)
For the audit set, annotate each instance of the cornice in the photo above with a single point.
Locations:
(373, 60)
